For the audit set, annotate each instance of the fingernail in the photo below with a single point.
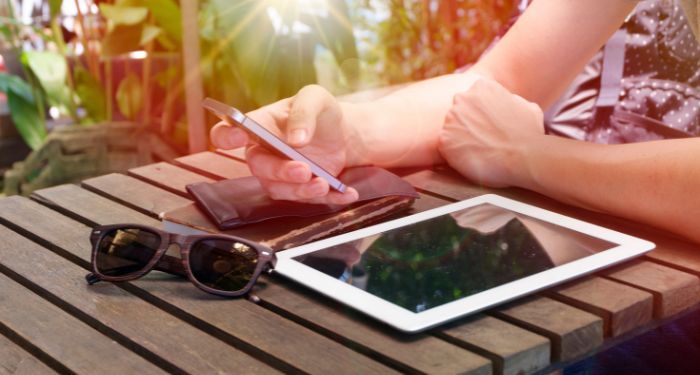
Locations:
(350, 196)
(297, 136)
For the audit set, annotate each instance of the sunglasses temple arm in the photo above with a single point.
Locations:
(171, 265)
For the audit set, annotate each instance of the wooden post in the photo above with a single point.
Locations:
(194, 93)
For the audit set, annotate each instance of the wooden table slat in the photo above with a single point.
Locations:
(15, 360)
(213, 165)
(573, 332)
(193, 217)
(168, 177)
(622, 307)
(251, 232)
(70, 200)
(514, 350)
(674, 291)
(263, 329)
(69, 341)
(420, 352)
(135, 194)
(314, 311)
(143, 324)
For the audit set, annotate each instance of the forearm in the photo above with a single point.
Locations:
(536, 59)
(550, 44)
(403, 128)
(651, 182)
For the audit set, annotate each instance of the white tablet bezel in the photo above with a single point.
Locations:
(406, 320)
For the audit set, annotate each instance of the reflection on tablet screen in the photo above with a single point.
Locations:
(433, 262)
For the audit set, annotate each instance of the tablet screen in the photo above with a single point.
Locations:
(439, 260)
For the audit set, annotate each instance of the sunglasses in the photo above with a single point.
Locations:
(218, 264)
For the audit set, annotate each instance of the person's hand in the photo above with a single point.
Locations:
(486, 134)
(312, 122)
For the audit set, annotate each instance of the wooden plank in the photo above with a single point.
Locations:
(622, 307)
(238, 153)
(674, 291)
(17, 361)
(192, 217)
(168, 177)
(27, 217)
(236, 321)
(312, 312)
(676, 253)
(513, 350)
(419, 352)
(135, 193)
(359, 332)
(71, 342)
(213, 165)
(78, 202)
(138, 323)
(573, 332)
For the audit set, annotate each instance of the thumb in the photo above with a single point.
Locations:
(311, 105)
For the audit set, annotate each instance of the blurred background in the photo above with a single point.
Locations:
(89, 87)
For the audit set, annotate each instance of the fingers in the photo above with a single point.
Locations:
(227, 137)
(292, 180)
(311, 105)
(315, 191)
(267, 166)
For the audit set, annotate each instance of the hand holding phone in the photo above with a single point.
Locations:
(269, 140)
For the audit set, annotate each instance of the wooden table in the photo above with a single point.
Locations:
(50, 320)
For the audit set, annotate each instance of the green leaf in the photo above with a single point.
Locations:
(248, 43)
(91, 94)
(50, 70)
(167, 43)
(149, 33)
(167, 15)
(123, 15)
(29, 123)
(121, 40)
(130, 96)
(5, 29)
(16, 85)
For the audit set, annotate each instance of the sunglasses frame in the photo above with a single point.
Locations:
(181, 267)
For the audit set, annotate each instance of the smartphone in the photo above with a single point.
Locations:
(268, 140)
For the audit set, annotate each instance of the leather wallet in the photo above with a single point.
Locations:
(240, 201)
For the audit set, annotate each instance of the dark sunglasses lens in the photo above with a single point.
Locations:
(223, 264)
(124, 251)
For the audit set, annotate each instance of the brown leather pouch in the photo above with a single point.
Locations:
(240, 201)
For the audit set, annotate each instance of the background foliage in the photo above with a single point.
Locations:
(408, 40)
(253, 52)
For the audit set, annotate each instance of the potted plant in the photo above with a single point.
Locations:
(79, 89)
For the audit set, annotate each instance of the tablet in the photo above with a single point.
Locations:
(422, 270)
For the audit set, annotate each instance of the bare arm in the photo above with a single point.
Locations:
(494, 138)
(547, 46)
(653, 182)
(538, 57)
